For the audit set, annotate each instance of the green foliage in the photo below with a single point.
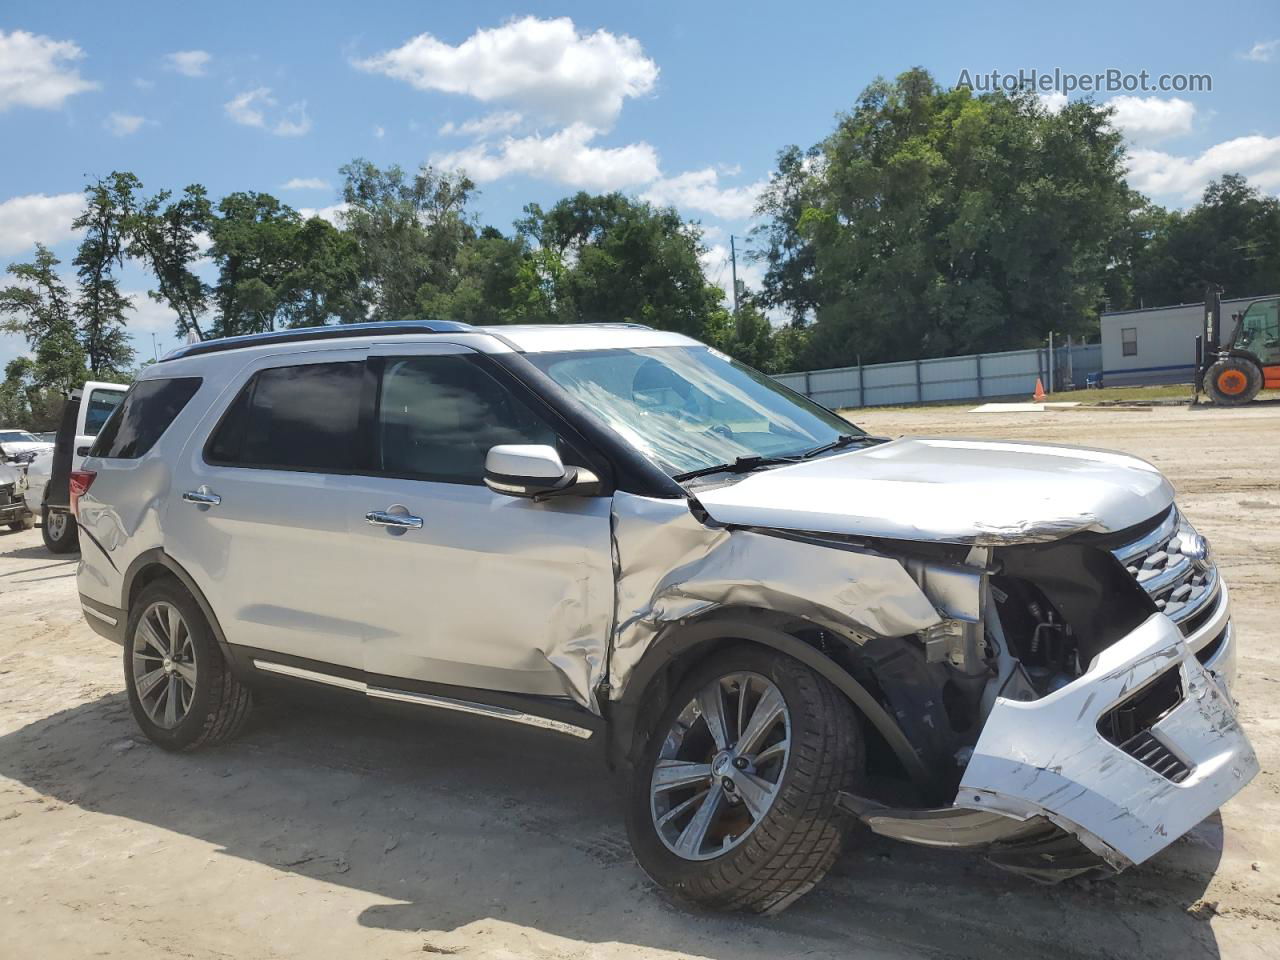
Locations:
(936, 222)
(165, 235)
(410, 232)
(609, 258)
(101, 309)
(1231, 237)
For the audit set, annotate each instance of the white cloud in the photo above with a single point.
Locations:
(379, 132)
(1162, 174)
(33, 218)
(1053, 101)
(1148, 119)
(565, 156)
(700, 190)
(189, 63)
(1264, 51)
(485, 126)
(331, 213)
(123, 124)
(35, 71)
(250, 108)
(544, 67)
(306, 183)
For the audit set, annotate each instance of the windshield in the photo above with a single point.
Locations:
(1260, 330)
(689, 408)
(16, 436)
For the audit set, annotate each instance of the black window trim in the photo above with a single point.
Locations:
(366, 423)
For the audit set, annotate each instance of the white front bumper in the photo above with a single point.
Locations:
(1047, 757)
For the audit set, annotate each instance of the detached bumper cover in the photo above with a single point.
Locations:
(1047, 758)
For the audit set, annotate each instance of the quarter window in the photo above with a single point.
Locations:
(148, 409)
(1129, 341)
(439, 415)
(300, 417)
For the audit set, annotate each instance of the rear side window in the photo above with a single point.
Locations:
(148, 409)
(293, 418)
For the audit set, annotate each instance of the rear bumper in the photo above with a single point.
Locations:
(1049, 758)
(105, 620)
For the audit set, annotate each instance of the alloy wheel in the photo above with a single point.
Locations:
(721, 766)
(164, 665)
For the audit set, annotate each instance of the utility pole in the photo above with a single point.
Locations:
(155, 349)
(733, 261)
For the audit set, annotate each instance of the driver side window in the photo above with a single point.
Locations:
(437, 417)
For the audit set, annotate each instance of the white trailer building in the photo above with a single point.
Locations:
(1157, 344)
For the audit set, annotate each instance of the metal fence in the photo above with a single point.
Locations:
(975, 377)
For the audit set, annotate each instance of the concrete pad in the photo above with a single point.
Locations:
(1021, 407)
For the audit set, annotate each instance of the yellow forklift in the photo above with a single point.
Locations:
(1234, 365)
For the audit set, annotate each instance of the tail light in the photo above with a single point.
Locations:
(78, 485)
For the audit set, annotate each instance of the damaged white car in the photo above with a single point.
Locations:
(776, 625)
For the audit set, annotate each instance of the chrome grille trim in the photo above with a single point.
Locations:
(1178, 586)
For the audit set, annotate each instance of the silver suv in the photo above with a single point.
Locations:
(776, 625)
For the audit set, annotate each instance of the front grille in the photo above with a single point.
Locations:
(1180, 586)
(1128, 725)
(8, 494)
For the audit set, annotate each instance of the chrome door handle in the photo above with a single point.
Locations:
(382, 518)
(202, 498)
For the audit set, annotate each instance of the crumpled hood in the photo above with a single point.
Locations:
(959, 491)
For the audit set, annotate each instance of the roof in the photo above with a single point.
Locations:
(523, 338)
(1182, 306)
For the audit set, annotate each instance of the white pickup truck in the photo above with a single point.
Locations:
(87, 410)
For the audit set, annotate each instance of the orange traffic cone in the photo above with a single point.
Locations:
(1039, 396)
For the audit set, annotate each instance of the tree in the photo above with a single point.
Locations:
(100, 308)
(1231, 237)
(166, 236)
(410, 232)
(38, 307)
(253, 239)
(322, 282)
(609, 258)
(936, 222)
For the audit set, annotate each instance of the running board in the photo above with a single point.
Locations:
(425, 699)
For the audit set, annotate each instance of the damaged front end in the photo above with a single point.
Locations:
(1062, 706)
(1105, 728)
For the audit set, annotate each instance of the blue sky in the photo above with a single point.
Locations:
(685, 103)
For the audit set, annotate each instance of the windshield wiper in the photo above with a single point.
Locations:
(841, 441)
(741, 465)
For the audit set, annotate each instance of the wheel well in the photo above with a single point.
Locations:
(691, 644)
(144, 578)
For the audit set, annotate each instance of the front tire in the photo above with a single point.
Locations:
(1232, 381)
(181, 691)
(58, 530)
(733, 805)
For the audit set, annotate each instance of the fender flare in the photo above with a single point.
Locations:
(625, 713)
(157, 557)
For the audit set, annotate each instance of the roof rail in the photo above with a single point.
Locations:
(340, 331)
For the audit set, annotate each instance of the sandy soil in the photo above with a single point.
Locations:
(322, 835)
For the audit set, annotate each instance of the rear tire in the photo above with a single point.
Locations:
(789, 844)
(58, 530)
(1232, 380)
(181, 691)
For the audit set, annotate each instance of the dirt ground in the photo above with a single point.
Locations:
(321, 835)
